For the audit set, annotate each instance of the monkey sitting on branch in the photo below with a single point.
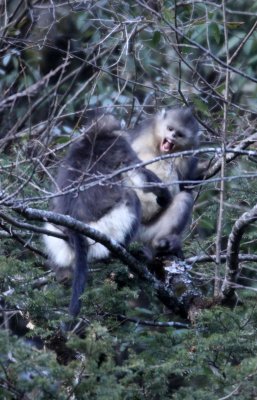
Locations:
(168, 132)
(91, 192)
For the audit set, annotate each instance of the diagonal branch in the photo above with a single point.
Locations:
(165, 294)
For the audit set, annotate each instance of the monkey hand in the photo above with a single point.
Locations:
(163, 197)
(170, 244)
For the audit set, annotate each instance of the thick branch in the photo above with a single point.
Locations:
(211, 258)
(29, 227)
(232, 264)
(166, 295)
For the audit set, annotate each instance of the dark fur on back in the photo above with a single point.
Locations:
(98, 154)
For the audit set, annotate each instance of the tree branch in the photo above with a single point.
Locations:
(232, 263)
(231, 155)
(211, 258)
(166, 295)
(138, 321)
(29, 91)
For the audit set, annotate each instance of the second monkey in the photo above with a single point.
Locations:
(167, 132)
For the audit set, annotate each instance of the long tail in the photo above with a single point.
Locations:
(80, 273)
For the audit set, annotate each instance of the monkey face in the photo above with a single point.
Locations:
(176, 130)
(174, 140)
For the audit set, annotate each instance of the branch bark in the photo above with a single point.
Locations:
(230, 156)
(220, 221)
(232, 263)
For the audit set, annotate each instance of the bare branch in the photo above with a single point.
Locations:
(24, 243)
(230, 156)
(30, 91)
(32, 228)
(232, 263)
(138, 321)
(220, 220)
(211, 258)
(207, 52)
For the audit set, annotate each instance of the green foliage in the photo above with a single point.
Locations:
(24, 370)
(124, 360)
(133, 57)
(214, 358)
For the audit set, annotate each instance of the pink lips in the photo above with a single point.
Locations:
(166, 145)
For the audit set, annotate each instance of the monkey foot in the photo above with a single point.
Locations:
(170, 244)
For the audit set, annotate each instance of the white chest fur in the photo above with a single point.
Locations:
(165, 170)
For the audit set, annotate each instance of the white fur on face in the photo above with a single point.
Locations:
(115, 225)
(167, 127)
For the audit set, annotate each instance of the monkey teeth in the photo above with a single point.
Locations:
(167, 145)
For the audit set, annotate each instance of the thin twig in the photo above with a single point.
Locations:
(223, 163)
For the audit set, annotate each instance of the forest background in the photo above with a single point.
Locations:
(189, 330)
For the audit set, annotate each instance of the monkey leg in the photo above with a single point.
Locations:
(164, 233)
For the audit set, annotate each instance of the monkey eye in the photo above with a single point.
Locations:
(179, 133)
(170, 128)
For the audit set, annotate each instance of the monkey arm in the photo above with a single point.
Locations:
(187, 169)
(150, 183)
(165, 233)
(163, 196)
(146, 180)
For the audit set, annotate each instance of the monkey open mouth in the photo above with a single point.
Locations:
(167, 145)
